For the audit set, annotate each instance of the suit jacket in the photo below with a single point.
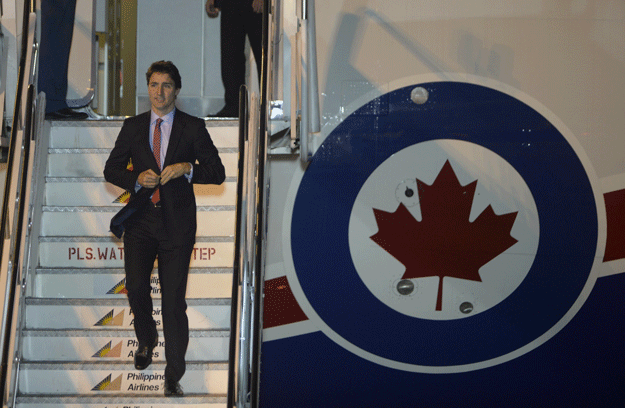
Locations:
(189, 142)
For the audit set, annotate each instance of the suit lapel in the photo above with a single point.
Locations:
(174, 137)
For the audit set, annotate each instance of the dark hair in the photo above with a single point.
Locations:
(165, 67)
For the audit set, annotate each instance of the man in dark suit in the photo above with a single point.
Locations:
(170, 151)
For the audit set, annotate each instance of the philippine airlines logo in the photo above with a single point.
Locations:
(119, 288)
(109, 385)
(109, 350)
(456, 236)
(111, 319)
(125, 196)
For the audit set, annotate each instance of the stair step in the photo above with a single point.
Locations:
(102, 134)
(84, 134)
(120, 379)
(97, 192)
(89, 252)
(114, 345)
(78, 344)
(95, 221)
(83, 283)
(151, 401)
(98, 314)
(90, 162)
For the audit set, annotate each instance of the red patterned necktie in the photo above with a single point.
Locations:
(156, 149)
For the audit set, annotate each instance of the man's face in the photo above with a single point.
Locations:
(162, 92)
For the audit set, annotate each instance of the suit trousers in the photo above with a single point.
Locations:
(57, 28)
(237, 22)
(145, 239)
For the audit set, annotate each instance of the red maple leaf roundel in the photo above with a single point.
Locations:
(444, 242)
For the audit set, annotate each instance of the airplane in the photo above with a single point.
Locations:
(432, 208)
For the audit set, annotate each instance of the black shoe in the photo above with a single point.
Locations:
(66, 114)
(143, 355)
(227, 112)
(173, 389)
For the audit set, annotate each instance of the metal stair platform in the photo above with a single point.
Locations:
(77, 342)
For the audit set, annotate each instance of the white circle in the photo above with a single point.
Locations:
(499, 185)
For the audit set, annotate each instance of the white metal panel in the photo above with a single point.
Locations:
(224, 135)
(84, 164)
(112, 285)
(92, 134)
(56, 380)
(118, 317)
(115, 348)
(567, 56)
(96, 224)
(25, 403)
(76, 164)
(111, 254)
(69, 136)
(101, 193)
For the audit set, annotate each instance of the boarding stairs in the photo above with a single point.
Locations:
(77, 341)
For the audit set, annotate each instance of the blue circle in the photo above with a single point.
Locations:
(461, 111)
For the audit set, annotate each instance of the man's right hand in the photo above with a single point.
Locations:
(211, 10)
(257, 6)
(148, 179)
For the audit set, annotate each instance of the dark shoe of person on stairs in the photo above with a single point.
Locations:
(173, 389)
(66, 114)
(143, 355)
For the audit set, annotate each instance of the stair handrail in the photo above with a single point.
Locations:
(18, 160)
(33, 217)
(248, 286)
(261, 206)
(17, 114)
(13, 271)
(237, 313)
(248, 277)
(237, 245)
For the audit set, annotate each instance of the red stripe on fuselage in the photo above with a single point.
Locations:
(615, 219)
(280, 306)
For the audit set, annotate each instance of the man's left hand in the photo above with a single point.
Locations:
(174, 171)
